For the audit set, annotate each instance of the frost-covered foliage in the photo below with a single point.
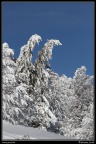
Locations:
(61, 93)
(8, 68)
(8, 77)
(24, 61)
(83, 92)
(82, 112)
(43, 59)
(80, 124)
(35, 96)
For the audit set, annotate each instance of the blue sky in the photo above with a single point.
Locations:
(70, 22)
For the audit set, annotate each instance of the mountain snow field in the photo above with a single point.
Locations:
(15, 132)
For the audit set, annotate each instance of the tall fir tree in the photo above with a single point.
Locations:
(24, 62)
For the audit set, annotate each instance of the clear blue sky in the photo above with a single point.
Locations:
(70, 22)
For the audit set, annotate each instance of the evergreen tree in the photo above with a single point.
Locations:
(40, 64)
(8, 78)
(24, 62)
(8, 69)
(83, 90)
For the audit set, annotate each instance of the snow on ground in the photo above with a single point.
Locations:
(13, 132)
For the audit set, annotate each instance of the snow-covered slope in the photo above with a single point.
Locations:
(14, 132)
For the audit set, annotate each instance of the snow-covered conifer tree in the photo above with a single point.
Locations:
(8, 77)
(83, 88)
(14, 96)
(83, 93)
(8, 69)
(43, 58)
(40, 77)
(24, 63)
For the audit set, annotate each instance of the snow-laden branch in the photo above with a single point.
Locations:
(48, 47)
(5, 45)
(26, 50)
(33, 40)
(6, 51)
(43, 59)
(46, 53)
